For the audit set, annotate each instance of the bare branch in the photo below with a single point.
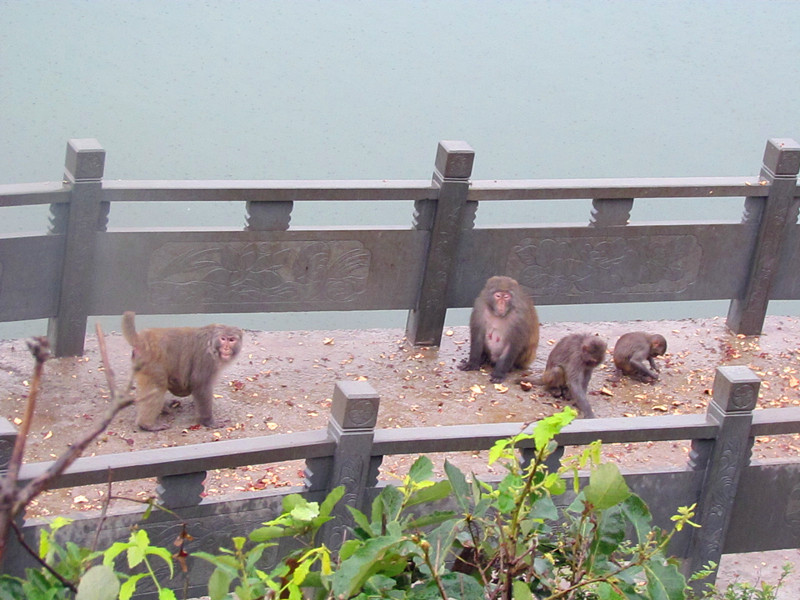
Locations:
(14, 500)
(41, 561)
(41, 483)
(40, 348)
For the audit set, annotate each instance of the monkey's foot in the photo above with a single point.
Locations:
(154, 427)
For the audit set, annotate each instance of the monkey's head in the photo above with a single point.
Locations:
(227, 343)
(593, 351)
(658, 345)
(499, 293)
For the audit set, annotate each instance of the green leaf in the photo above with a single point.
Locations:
(432, 518)
(98, 583)
(300, 573)
(606, 592)
(636, 511)
(499, 450)
(387, 504)
(606, 487)
(10, 588)
(459, 484)
(664, 581)
(330, 501)
(348, 547)
(609, 534)
(353, 572)
(456, 585)
(135, 556)
(305, 511)
(263, 534)
(113, 551)
(421, 470)
(437, 491)
(546, 429)
(292, 500)
(555, 484)
(129, 587)
(441, 542)
(361, 519)
(166, 594)
(521, 591)
(544, 508)
(226, 562)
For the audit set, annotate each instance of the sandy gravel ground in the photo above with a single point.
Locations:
(283, 382)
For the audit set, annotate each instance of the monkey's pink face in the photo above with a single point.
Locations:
(227, 347)
(502, 302)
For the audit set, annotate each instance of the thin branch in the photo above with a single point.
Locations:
(41, 561)
(40, 348)
(118, 402)
(42, 482)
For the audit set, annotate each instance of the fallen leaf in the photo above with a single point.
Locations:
(328, 342)
(80, 500)
(606, 392)
(660, 407)
(271, 425)
(501, 388)
(526, 385)
(476, 389)
(48, 435)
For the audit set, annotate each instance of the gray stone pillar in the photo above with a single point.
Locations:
(773, 216)
(354, 413)
(735, 394)
(78, 221)
(445, 218)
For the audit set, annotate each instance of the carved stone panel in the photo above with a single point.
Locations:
(258, 272)
(606, 265)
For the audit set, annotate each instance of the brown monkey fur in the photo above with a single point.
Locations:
(633, 349)
(569, 368)
(183, 360)
(503, 329)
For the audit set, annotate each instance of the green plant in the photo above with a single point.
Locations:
(301, 520)
(740, 590)
(68, 571)
(508, 541)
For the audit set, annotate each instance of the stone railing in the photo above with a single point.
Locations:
(81, 268)
(742, 507)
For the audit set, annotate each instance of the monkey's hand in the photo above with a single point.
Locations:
(497, 377)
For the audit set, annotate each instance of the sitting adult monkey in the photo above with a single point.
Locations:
(503, 329)
(181, 360)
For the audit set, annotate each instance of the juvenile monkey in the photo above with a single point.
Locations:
(503, 329)
(569, 368)
(633, 349)
(183, 360)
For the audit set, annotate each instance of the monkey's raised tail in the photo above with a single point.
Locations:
(129, 327)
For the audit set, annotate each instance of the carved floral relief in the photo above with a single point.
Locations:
(606, 265)
(258, 272)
